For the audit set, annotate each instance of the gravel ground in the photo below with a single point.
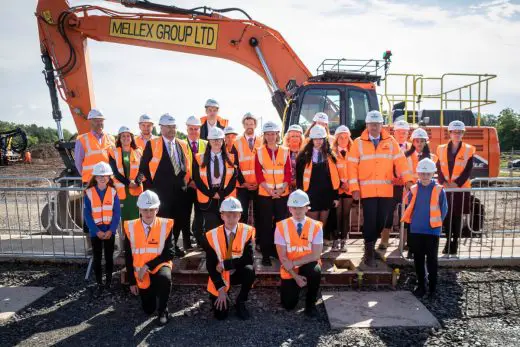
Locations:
(475, 308)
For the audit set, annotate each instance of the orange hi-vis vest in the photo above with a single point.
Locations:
(371, 170)
(399, 180)
(297, 246)
(217, 240)
(435, 210)
(102, 211)
(465, 152)
(273, 171)
(334, 176)
(157, 152)
(342, 166)
(140, 142)
(413, 160)
(246, 157)
(95, 152)
(146, 248)
(135, 159)
(203, 171)
(223, 122)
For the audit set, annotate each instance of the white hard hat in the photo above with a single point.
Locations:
(145, 119)
(270, 126)
(401, 125)
(318, 132)
(374, 117)
(249, 115)
(456, 125)
(166, 119)
(230, 130)
(95, 114)
(342, 129)
(321, 117)
(148, 199)
(193, 121)
(295, 127)
(298, 198)
(102, 169)
(211, 103)
(420, 133)
(231, 204)
(426, 165)
(123, 129)
(215, 134)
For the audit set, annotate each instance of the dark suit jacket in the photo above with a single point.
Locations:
(204, 130)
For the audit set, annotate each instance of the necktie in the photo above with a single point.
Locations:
(216, 167)
(299, 229)
(375, 142)
(343, 153)
(175, 163)
(250, 141)
(320, 157)
(230, 245)
(148, 231)
(194, 147)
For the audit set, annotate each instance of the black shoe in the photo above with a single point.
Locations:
(311, 311)
(409, 255)
(178, 252)
(266, 261)
(419, 291)
(445, 249)
(242, 311)
(164, 317)
(98, 291)
(454, 247)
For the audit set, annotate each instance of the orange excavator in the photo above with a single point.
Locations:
(344, 89)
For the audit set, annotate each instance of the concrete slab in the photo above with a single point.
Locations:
(376, 309)
(13, 299)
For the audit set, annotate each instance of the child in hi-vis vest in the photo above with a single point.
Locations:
(102, 213)
(426, 209)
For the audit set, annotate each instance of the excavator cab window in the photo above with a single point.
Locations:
(357, 108)
(320, 100)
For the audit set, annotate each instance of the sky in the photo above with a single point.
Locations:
(427, 37)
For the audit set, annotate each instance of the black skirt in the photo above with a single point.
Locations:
(321, 193)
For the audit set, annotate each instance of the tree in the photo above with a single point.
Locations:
(508, 129)
(488, 120)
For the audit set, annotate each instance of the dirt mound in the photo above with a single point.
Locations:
(44, 151)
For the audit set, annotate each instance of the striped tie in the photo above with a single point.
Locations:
(175, 163)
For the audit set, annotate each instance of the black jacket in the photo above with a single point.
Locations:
(466, 173)
(222, 191)
(204, 130)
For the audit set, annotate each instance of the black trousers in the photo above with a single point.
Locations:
(98, 246)
(290, 291)
(191, 198)
(425, 246)
(269, 212)
(376, 212)
(159, 291)
(210, 215)
(245, 196)
(174, 208)
(244, 276)
(452, 227)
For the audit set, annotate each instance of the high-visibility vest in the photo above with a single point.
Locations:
(141, 142)
(435, 210)
(223, 122)
(466, 152)
(371, 170)
(273, 171)
(246, 157)
(217, 240)
(203, 171)
(95, 152)
(157, 152)
(399, 180)
(201, 148)
(146, 248)
(297, 246)
(341, 165)
(334, 176)
(102, 211)
(413, 160)
(135, 159)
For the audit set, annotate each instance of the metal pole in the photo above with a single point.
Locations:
(254, 42)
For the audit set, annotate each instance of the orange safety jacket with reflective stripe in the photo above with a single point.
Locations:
(273, 171)
(135, 159)
(95, 152)
(333, 170)
(342, 166)
(465, 152)
(203, 171)
(140, 142)
(145, 248)
(435, 209)
(102, 211)
(399, 180)
(217, 240)
(297, 246)
(223, 122)
(246, 157)
(371, 169)
(157, 152)
(413, 160)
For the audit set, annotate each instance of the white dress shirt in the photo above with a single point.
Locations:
(216, 156)
(169, 145)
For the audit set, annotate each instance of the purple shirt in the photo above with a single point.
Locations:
(79, 152)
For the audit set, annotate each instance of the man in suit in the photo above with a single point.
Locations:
(165, 165)
(211, 119)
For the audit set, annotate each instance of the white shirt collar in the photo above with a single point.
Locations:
(249, 137)
(218, 155)
(168, 141)
(231, 231)
(374, 138)
(298, 221)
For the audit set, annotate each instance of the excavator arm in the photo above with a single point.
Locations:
(64, 31)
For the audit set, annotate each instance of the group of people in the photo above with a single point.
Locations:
(153, 183)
